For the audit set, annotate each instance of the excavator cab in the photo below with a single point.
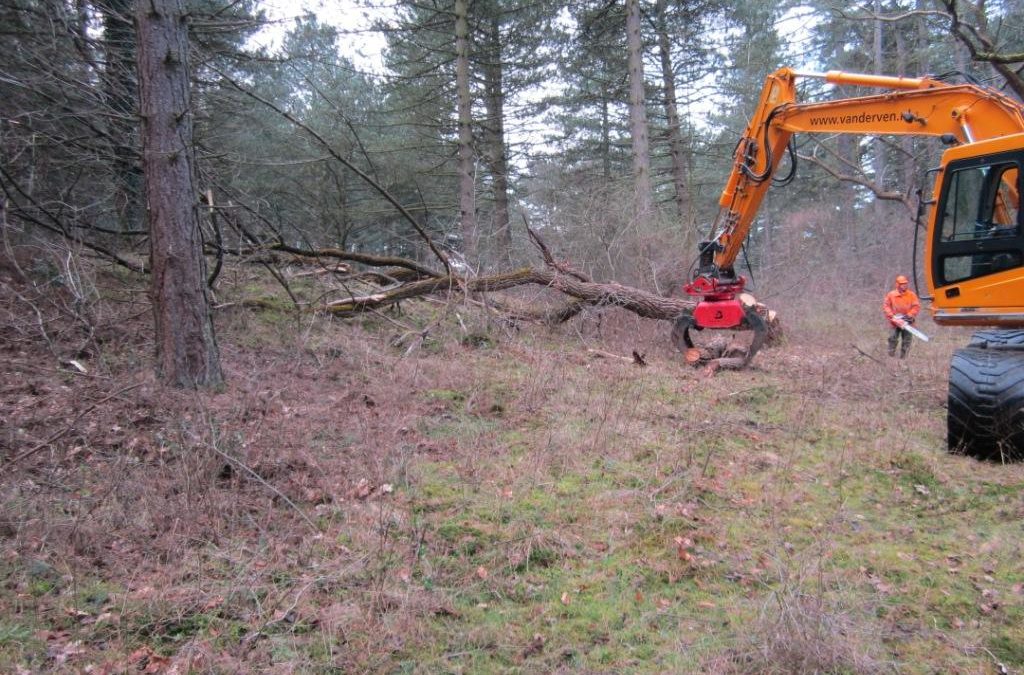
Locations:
(977, 230)
(977, 276)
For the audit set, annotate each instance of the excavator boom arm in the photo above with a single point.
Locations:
(912, 106)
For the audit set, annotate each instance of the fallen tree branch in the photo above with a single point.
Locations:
(362, 258)
(640, 302)
(864, 353)
(549, 259)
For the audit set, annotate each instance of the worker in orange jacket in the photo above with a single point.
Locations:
(901, 306)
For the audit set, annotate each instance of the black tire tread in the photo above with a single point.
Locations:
(996, 337)
(985, 416)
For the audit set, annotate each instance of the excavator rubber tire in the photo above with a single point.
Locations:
(997, 338)
(985, 416)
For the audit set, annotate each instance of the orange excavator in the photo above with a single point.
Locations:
(974, 246)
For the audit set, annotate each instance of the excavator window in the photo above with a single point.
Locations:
(980, 229)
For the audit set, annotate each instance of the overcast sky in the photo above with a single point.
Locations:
(353, 17)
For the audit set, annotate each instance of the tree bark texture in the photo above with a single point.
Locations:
(675, 142)
(120, 91)
(467, 201)
(640, 302)
(186, 349)
(638, 113)
(494, 133)
(879, 163)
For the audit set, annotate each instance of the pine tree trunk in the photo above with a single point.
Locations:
(186, 349)
(467, 201)
(879, 164)
(120, 91)
(638, 113)
(675, 142)
(494, 132)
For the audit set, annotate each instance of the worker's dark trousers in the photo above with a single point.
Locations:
(898, 333)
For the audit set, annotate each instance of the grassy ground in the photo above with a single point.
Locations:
(424, 493)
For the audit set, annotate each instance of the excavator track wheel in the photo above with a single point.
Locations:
(984, 339)
(985, 416)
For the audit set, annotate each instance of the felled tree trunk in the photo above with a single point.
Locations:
(640, 302)
(556, 275)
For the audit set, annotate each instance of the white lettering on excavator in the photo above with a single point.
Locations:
(863, 118)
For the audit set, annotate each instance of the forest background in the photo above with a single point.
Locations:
(548, 126)
(442, 486)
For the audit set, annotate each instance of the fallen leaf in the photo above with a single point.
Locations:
(362, 489)
(481, 572)
(156, 664)
(990, 546)
(61, 653)
(706, 604)
(536, 646)
(76, 365)
(683, 544)
(565, 598)
(882, 587)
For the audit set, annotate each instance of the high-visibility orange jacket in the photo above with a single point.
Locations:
(905, 303)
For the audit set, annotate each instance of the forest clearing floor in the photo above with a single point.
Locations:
(428, 492)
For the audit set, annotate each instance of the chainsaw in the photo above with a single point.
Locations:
(900, 321)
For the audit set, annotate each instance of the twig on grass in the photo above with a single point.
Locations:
(259, 479)
(864, 353)
(59, 371)
(69, 427)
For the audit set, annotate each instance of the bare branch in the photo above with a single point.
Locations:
(889, 18)
(58, 226)
(336, 155)
(878, 191)
(364, 258)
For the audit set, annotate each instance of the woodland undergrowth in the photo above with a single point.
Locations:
(435, 490)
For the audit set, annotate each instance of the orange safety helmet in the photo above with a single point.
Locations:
(902, 280)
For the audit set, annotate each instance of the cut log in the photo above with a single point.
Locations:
(773, 335)
(718, 353)
(734, 349)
